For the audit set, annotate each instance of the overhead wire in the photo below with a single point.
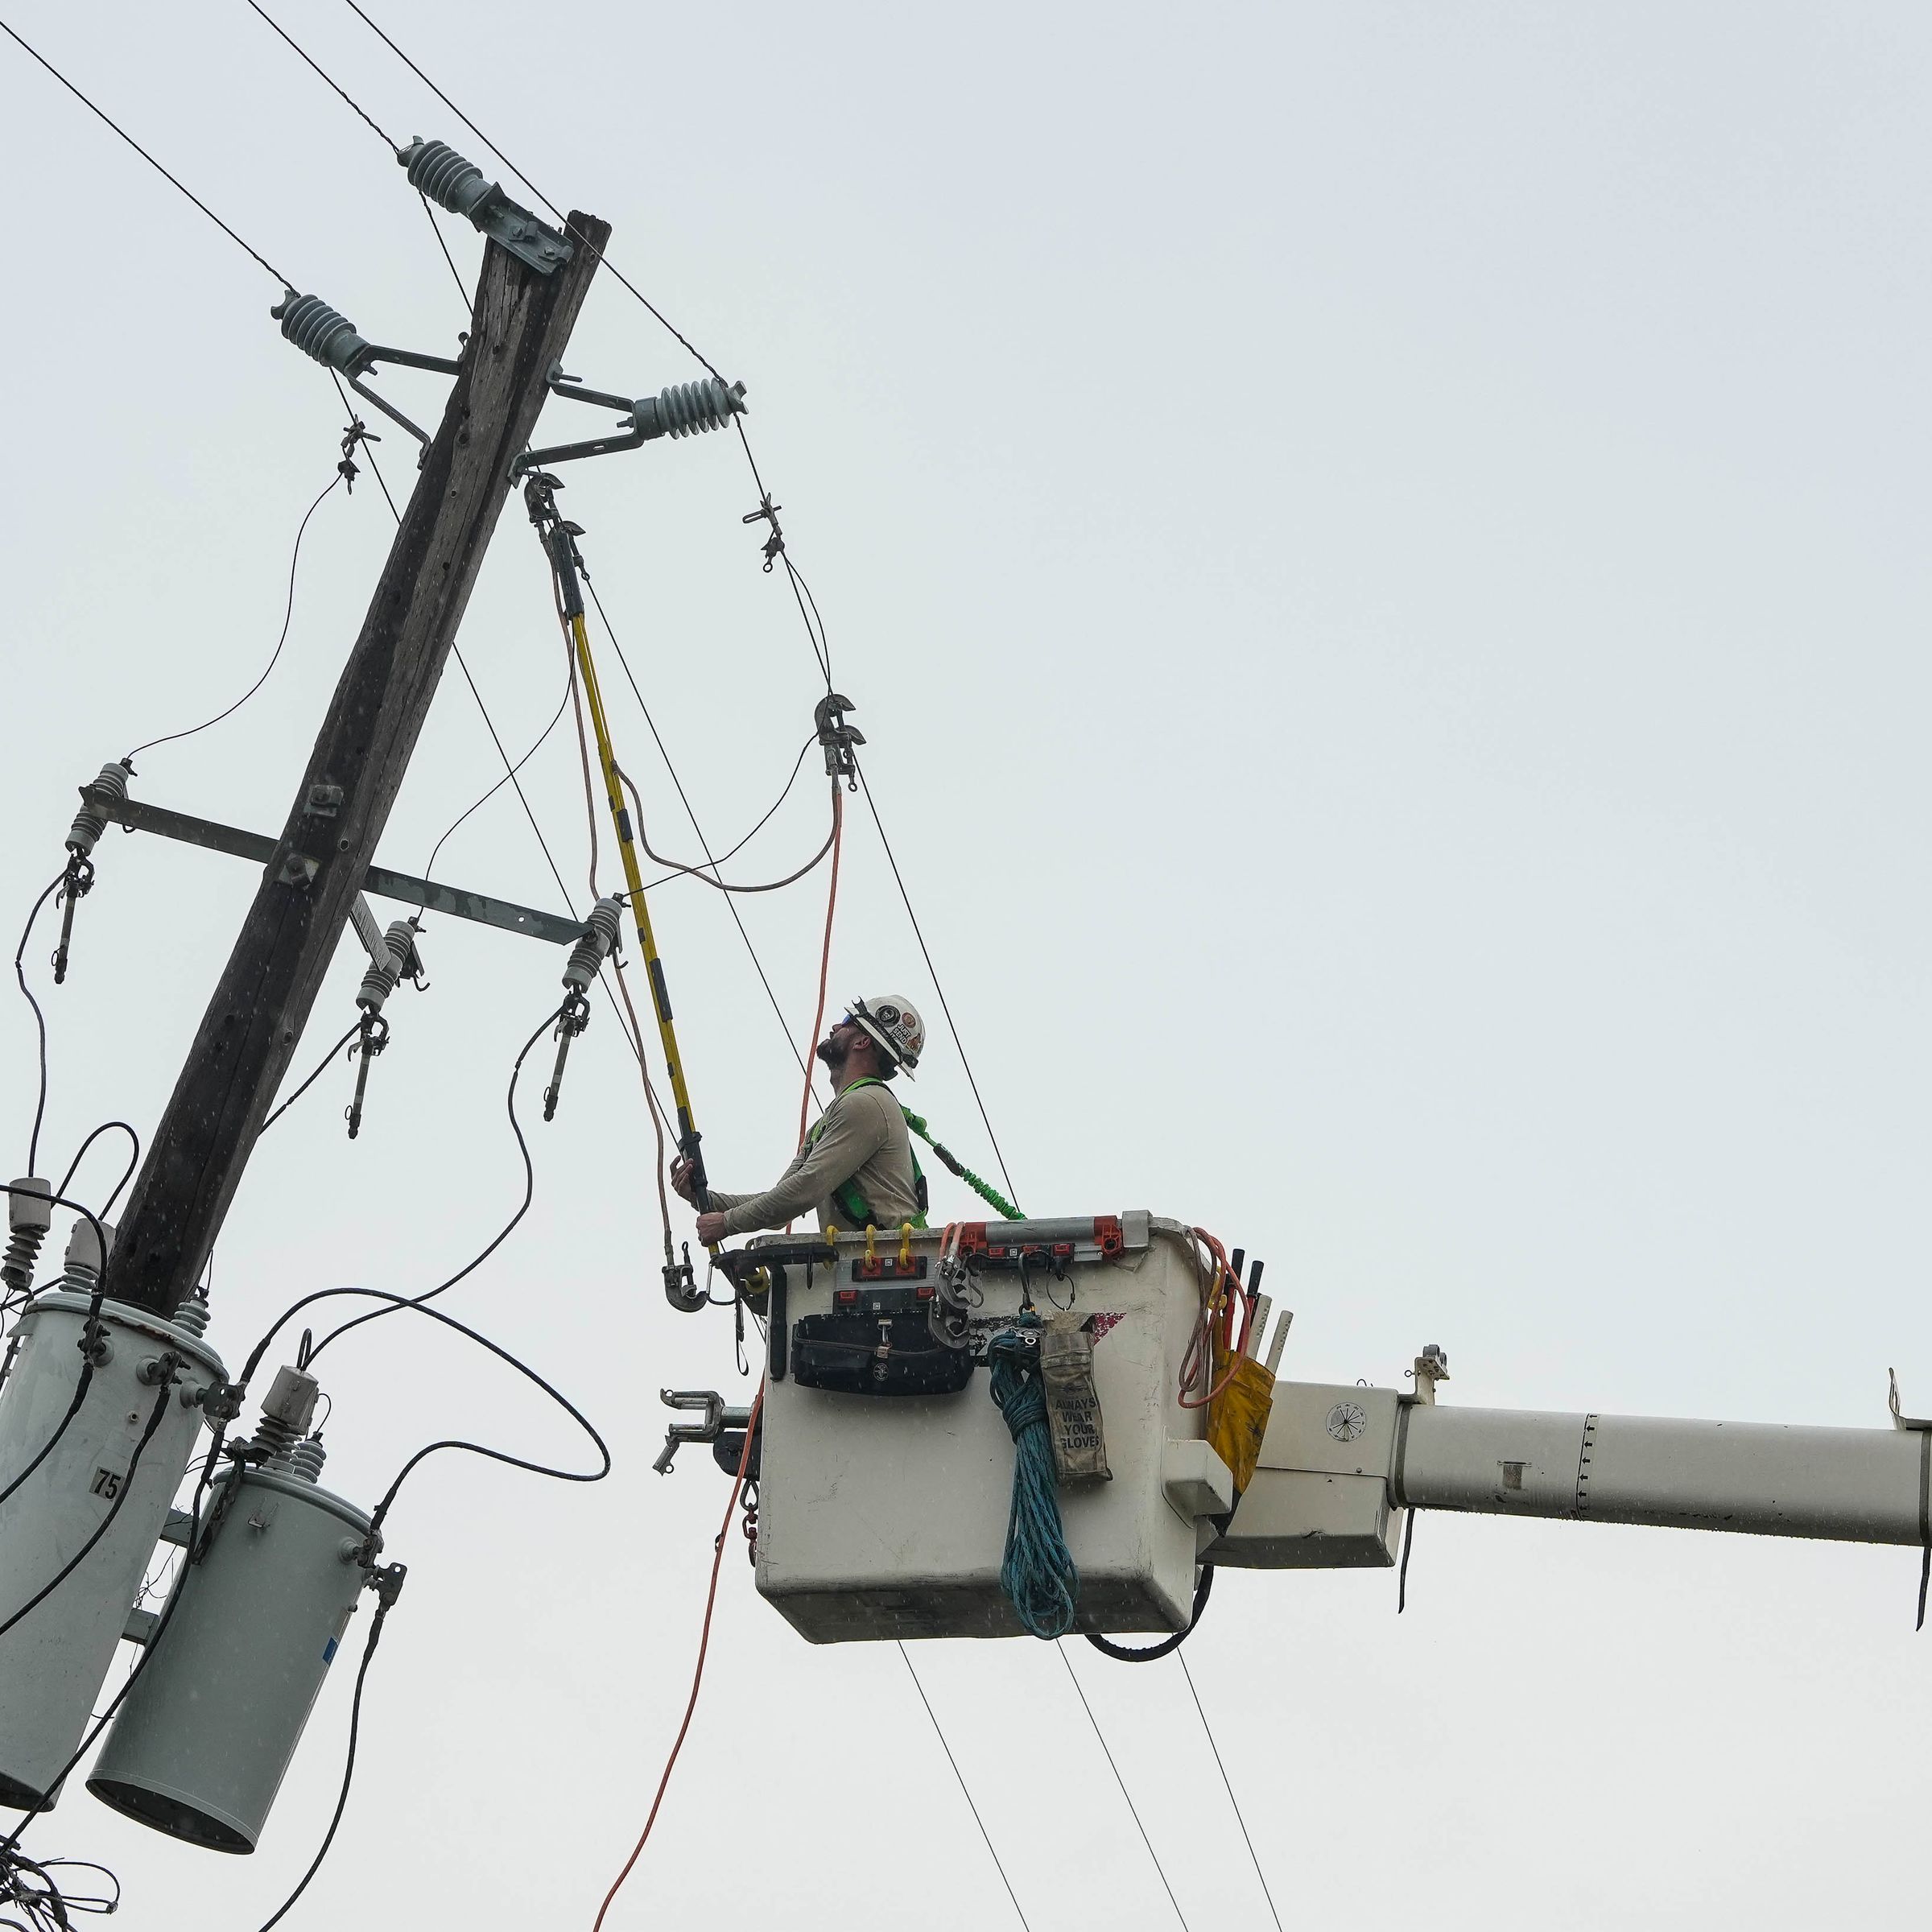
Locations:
(502, 1235)
(1227, 1784)
(133, 1160)
(933, 972)
(27, 993)
(1124, 1792)
(274, 656)
(101, 114)
(963, 1792)
(326, 1062)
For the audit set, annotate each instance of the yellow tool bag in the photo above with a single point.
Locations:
(1237, 1418)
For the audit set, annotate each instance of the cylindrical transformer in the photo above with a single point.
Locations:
(199, 1748)
(52, 1662)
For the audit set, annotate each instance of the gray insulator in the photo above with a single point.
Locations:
(321, 332)
(689, 409)
(29, 1216)
(594, 949)
(89, 822)
(192, 1315)
(305, 1460)
(436, 170)
(379, 982)
(84, 1260)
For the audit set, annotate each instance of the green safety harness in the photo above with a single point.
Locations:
(857, 1211)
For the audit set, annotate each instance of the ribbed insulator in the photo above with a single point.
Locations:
(17, 1264)
(590, 952)
(193, 1316)
(379, 982)
(305, 1460)
(689, 409)
(436, 170)
(321, 332)
(84, 1260)
(89, 822)
(276, 1440)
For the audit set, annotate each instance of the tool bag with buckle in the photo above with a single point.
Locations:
(876, 1355)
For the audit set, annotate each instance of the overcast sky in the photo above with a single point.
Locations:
(1380, 552)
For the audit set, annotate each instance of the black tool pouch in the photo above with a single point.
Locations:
(875, 1355)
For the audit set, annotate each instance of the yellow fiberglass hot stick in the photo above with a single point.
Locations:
(680, 1287)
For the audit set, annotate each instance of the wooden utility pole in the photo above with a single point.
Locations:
(521, 322)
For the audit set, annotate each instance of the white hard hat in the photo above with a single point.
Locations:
(895, 1024)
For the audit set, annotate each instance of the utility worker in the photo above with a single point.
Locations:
(856, 1166)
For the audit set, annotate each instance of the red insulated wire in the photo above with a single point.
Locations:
(697, 1677)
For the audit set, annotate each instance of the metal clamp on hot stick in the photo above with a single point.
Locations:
(558, 538)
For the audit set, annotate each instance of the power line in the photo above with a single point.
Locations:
(764, 980)
(963, 1792)
(101, 114)
(1231, 1799)
(525, 179)
(933, 970)
(1122, 1782)
(274, 657)
(327, 82)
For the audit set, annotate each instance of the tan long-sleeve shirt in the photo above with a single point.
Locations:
(864, 1139)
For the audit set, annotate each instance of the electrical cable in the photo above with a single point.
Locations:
(1123, 1653)
(724, 857)
(525, 179)
(93, 1315)
(164, 1396)
(509, 771)
(731, 903)
(963, 1792)
(718, 885)
(133, 1161)
(328, 1061)
(274, 658)
(45, 1797)
(145, 155)
(932, 972)
(502, 1235)
(33, 1143)
(1122, 1782)
(348, 1768)
(316, 68)
(697, 1677)
(1232, 1800)
(435, 850)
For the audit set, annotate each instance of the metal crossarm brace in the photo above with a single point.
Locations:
(486, 910)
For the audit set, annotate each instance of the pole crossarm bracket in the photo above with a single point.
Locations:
(682, 409)
(484, 908)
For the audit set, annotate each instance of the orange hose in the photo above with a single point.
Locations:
(698, 1675)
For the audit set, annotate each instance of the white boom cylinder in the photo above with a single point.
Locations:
(53, 1660)
(1759, 1479)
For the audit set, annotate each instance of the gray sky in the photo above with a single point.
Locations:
(1379, 550)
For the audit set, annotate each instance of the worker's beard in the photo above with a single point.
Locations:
(833, 1054)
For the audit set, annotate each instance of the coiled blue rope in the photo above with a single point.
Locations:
(1038, 1574)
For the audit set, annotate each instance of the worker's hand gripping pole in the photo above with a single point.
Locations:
(559, 541)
